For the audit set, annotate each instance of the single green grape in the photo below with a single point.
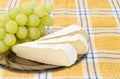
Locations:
(39, 11)
(33, 3)
(48, 7)
(42, 29)
(21, 19)
(2, 33)
(26, 8)
(13, 12)
(9, 39)
(33, 20)
(47, 20)
(22, 32)
(11, 27)
(27, 39)
(4, 17)
(3, 47)
(33, 33)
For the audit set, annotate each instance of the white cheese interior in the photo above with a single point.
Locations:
(71, 30)
(55, 54)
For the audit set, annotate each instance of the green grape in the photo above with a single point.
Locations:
(27, 39)
(9, 39)
(2, 33)
(18, 41)
(38, 11)
(33, 3)
(13, 12)
(47, 20)
(26, 8)
(3, 19)
(33, 32)
(3, 47)
(21, 19)
(33, 20)
(11, 27)
(42, 30)
(22, 32)
(48, 7)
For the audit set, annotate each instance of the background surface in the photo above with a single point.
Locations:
(101, 19)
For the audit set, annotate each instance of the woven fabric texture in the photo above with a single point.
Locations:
(101, 19)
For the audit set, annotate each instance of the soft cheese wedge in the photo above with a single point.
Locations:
(77, 41)
(70, 30)
(55, 54)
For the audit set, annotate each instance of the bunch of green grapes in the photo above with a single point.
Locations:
(24, 23)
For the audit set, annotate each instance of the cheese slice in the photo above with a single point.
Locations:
(70, 30)
(55, 54)
(77, 41)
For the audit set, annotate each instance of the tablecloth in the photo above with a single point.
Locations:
(101, 19)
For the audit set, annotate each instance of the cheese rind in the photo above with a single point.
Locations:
(70, 30)
(77, 41)
(55, 54)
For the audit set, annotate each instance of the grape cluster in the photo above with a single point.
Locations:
(24, 23)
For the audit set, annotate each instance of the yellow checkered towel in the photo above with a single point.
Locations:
(101, 18)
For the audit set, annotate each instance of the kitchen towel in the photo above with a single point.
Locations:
(101, 19)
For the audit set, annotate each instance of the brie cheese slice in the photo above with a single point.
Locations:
(55, 54)
(77, 41)
(68, 31)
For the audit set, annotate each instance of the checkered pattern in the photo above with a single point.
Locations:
(101, 18)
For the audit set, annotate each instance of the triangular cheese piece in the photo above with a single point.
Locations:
(68, 31)
(55, 54)
(77, 41)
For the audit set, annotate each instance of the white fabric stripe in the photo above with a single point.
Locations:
(13, 3)
(18, 2)
(49, 75)
(1, 72)
(42, 75)
(8, 4)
